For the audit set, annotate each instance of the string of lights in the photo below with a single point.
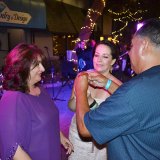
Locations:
(90, 22)
(123, 18)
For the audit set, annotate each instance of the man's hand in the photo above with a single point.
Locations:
(96, 79)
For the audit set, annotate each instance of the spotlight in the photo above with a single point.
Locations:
(139, 25)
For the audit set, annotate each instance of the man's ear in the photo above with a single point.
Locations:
(113, 61)
(144, 46)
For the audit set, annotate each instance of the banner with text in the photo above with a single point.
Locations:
(16, 18)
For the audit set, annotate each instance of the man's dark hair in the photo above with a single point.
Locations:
(17, 66)
(150, 29)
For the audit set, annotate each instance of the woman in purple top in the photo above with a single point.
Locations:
(29, 120)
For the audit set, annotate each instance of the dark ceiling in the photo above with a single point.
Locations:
(70, 18)
(66, 12)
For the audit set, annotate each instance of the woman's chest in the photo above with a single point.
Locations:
(98, 93)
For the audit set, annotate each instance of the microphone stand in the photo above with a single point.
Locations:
(121, 56)
(52, 76)
(52, 70)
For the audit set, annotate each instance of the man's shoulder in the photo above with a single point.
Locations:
(130, 86)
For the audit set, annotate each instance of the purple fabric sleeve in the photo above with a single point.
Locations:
(13, 110)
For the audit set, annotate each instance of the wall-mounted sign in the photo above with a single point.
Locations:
(9, 16)
(23, 14)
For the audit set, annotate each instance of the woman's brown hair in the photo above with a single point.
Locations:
(17, 66)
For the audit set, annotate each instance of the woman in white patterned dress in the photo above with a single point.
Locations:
(87, 149)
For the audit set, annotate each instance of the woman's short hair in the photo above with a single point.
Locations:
(17, 66)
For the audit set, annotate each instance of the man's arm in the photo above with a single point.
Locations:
(99, 80)
(82, 106)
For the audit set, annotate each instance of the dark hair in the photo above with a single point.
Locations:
(17, 66)
(150, 29)
(114, 48)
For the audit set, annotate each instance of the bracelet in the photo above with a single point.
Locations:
(108, 84)
(92, 104)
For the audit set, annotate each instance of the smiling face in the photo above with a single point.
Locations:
(36, 70)
(102, 59)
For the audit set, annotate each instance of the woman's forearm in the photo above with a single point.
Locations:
(72, 104)
(113, 87)
(66, 143)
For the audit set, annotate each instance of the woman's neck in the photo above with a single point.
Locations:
(106, 73)
(34, 90)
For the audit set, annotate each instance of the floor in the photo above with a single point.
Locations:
(60, 94)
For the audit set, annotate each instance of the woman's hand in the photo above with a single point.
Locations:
(66, 143)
